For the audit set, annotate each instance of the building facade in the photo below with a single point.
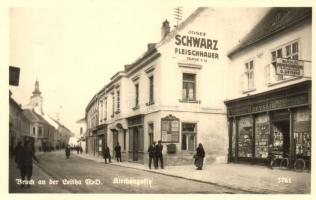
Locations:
(269, 92)
(174, 92)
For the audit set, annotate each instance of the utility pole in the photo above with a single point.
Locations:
(178, 11)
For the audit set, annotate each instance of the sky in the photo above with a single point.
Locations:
(74, 51)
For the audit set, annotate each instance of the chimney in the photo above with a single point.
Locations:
(165, 29)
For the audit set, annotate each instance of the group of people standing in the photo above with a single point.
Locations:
(107, 155)
(155, 154)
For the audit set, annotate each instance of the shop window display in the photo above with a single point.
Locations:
(245, 137)
(262, 137)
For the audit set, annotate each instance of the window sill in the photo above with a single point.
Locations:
(136, 107)
(248, 91)
(150, 103)
(189, 101)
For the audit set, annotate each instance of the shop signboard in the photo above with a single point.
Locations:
(289, 67)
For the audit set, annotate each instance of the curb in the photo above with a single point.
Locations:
(176, 176)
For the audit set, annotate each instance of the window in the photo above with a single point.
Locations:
(118, 101)
(188, 90)
(34, 131)
(113, 105)
(40, 131)
(150, 133)
(124, 138)
(101, 111)
(136, 95)
(289, 51)
(81, 130)
(188, 136)
(105, 108)
(249, 75)
(151, 89)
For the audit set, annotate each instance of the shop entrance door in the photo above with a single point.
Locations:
(135, 143)
(115, 140)
(282, 136)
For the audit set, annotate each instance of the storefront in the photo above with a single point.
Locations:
(136, 138)
(278, 119)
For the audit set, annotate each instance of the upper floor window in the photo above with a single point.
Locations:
(113, 105)
(118, 101)
(40, 131)
(188, 89)
(289, 51)
(151, 89)
(136, 95)
(101, 111)
(81, 130)
(249, 75)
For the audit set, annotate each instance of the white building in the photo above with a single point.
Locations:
(269, 91)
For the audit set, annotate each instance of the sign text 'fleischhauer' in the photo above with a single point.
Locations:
(196, 46)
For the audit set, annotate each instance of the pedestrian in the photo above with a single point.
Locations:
(199, 157)
(67, 151)
(118, 152)
(26, 167)
(159, 157)
(152, 154)
(77, 148)
(18, 154)
(80, 148)
(106, 154)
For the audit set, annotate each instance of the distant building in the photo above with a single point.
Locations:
(82, 128)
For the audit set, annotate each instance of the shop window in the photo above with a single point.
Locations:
(189, 87)
(262, 136)
(249, 72)
(245, 137)
(188, 136)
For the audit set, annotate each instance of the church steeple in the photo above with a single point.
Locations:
(37, 99)
(36, 89)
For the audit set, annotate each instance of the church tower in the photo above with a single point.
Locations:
(37, 99)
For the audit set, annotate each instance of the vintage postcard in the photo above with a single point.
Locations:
(159, 98)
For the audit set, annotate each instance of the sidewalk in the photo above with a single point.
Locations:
(38, 174)
(251, 178)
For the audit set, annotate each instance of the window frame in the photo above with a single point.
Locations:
(185, 83)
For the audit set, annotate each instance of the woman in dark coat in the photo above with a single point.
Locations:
(199, 157)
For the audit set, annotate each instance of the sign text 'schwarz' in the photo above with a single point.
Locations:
(195, 41)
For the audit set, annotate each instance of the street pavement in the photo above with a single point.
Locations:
(244, 177)
(79, 175)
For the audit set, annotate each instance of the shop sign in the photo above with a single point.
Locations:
(289, 67)
(196, 46)
(268, 105)
(170, 128)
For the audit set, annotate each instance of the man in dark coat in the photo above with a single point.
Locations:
(106, 154)
(18, 154)
(118, 152)
(67, 151)
(26, 168)
(152, 155)
(159, 148)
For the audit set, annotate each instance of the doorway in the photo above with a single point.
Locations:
(135, 143)
(281, 136)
